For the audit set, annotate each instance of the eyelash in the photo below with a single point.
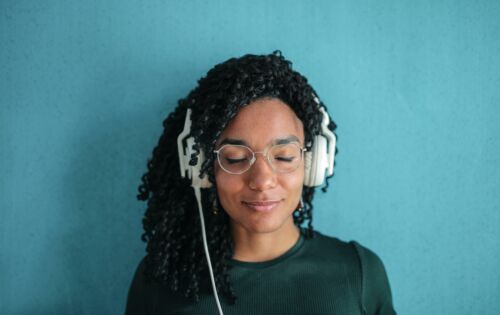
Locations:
(285, 159)
(234, 161)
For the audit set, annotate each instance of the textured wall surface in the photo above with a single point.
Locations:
(414, 87)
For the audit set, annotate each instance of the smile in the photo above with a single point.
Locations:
(261, 206)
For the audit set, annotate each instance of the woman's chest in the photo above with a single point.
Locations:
(333, 291)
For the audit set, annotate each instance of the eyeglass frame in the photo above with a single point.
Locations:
(264, 153)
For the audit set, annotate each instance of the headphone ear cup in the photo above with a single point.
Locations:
(194, 170)
(308, 156)
(316, 162)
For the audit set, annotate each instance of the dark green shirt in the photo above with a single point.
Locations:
(321, 275)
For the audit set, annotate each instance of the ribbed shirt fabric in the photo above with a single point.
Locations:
(320, 275)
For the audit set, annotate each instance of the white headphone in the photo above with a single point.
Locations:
(321, 157)
(318, 163)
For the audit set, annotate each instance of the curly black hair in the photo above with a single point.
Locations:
(175, 255)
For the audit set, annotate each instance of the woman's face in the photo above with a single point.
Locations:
(261, 200)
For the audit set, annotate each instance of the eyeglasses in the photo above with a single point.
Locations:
(237, 159)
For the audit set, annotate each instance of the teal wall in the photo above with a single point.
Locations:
(413, 85)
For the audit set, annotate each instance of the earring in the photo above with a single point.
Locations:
(300, 208)
(215, 209)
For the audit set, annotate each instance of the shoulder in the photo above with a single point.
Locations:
(332, 249)
(330, 243)
(139, 296)
(375, 288)
(351, 250)
(144, 295)
(364, 264)
(371, 265)
(353, 253)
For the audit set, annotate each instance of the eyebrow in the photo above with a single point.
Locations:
(286, 140)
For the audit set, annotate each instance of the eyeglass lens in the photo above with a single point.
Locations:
(283, 158)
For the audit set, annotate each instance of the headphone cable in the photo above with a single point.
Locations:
(203, 233)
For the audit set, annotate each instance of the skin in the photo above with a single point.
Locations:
(261, 235)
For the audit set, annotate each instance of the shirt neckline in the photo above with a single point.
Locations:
(263, 264)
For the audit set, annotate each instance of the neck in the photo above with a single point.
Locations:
(251, 246)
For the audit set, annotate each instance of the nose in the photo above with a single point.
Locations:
(261, 175)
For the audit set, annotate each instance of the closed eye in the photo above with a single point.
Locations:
(285, 158)
(234, 161)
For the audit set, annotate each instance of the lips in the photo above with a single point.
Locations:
(262, 206)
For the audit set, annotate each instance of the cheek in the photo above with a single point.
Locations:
(294, 180)
(293, 183)
(227, 185)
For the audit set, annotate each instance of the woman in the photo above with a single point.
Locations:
(256, 138)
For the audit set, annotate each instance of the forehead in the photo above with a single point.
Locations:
(262, 122)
